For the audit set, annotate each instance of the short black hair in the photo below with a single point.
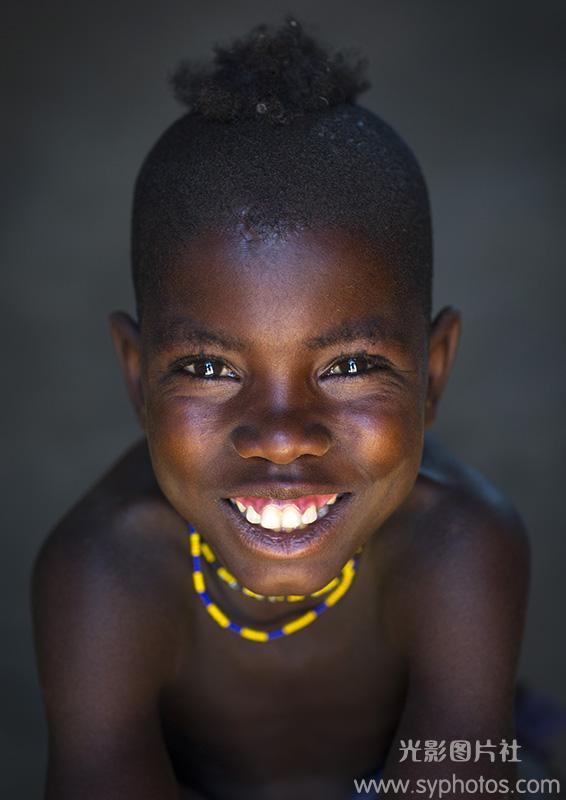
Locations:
(274, 142)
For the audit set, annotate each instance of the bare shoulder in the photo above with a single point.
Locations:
(465, 558)
(459, 507)
(112, 564)
(107, 635)
(120, 520)
(457, 604)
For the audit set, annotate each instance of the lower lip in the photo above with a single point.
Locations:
(289, 544)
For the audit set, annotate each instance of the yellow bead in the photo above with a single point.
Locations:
(207, 552)
(339, 591)
(216, 614)
(195, 544)
(256, 636)
(294, 598)
(250, 593)
(299, 623)
(326, 588)
(198, 581)
(226, 576)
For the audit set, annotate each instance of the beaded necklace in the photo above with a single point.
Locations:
(342, 583)
(233, 583)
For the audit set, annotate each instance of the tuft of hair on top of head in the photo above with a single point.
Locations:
(272, 74)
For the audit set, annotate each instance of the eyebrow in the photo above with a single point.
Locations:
(373, 329)
(184, 330)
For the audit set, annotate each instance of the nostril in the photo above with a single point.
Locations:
(281, 443)
(246, 440)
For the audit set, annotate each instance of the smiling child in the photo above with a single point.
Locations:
(284, 582)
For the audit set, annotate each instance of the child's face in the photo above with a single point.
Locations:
(316, 378)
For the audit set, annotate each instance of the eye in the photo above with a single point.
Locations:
(355, 365)
(205, 368)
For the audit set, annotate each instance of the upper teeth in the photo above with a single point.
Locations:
(283, 517)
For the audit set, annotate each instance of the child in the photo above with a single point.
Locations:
(284, 586)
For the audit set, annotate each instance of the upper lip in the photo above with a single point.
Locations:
(285, 491)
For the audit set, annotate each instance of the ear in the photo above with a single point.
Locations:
(126, 337)
(443, 345)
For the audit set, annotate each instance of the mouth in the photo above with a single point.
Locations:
(294, 526)
(288, 515)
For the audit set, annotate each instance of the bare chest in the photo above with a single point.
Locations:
(291, 718)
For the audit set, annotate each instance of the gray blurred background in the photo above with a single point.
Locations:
(476, 88)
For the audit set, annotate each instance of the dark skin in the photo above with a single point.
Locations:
(146, 696)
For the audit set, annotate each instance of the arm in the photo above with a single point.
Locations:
(104, 649)
(462, 607)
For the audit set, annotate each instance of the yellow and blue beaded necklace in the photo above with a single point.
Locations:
(233, 583)
(200, 548)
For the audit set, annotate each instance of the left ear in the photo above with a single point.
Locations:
(126, 337)
(443, 345)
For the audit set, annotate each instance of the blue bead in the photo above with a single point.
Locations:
(192, 528)
(275, 634)
(233, 626)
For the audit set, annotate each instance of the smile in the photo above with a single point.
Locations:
(284, 515)
(287, 527)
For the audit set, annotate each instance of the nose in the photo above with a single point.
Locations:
(281, 438)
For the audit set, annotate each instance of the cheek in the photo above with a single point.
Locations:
(182, 436)
(388, 438)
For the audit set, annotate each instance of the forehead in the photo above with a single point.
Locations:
(306, 282)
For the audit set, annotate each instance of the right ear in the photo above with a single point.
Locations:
(125, 334)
